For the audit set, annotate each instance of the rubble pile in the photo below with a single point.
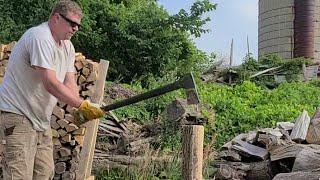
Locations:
(289, 151)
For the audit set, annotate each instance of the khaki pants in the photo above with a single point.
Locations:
(27, 154)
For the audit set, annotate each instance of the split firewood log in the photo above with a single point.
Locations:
(309, 175)
(313, 134)
(300, 129)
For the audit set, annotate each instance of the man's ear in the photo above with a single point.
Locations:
(55, 17)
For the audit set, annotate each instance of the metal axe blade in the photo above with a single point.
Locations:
(187, 82)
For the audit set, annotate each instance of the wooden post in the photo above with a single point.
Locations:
(231, 54)
(192, 151)
(231, 61)
(86, 155)
(304, 72)
(248, 46)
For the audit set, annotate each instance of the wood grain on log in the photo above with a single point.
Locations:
(307, 159)
(249, 150)
(192, 150)
(64, 151)
(313, 135)
(300, 129)
(80, 131)
(59, 112)
(60, 167)
(298, 176)
(63, 123)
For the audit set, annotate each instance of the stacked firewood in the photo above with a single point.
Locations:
(125, 137)
(5, 50)
(124, 144)
(288, 152)
(68, 135)
(120, 136)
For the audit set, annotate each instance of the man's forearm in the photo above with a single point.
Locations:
(64, 93)
(60, 90)
(74, 88)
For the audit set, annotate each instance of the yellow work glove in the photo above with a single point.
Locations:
(87, 111)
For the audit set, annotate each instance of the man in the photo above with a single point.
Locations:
(40, 71)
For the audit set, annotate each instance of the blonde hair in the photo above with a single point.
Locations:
(65, 6)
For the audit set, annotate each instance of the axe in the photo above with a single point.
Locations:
(187, 82)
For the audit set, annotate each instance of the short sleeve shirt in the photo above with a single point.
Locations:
(22, 91)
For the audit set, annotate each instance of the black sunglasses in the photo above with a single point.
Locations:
(72, 23)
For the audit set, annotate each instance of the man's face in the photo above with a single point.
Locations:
(68, 25)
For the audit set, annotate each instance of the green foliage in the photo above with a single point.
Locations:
(137, 112)
(248, 106)
(138, 37)
(149, 109)
(236, 109)
(192, 22)
(18, 15)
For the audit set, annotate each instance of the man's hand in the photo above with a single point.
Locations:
(87, 111)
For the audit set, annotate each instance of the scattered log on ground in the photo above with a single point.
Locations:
(313, 135)
(240, 170)
(308, 158)
(250, 151)
(307, 175)
(272, 152)
(300, 129)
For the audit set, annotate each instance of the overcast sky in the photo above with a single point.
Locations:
(235, 19)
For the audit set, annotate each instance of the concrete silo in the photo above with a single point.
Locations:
(289, 28)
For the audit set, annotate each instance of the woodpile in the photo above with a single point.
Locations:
(5, 50)
(127, 144)
(68, 135)
(121, 139)
(287, 152)
(124, 136)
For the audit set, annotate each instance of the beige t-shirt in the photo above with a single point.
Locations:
(22, 91)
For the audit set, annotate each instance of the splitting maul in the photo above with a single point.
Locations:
(186, 82)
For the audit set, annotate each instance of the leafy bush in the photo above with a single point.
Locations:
(238, 109)
(19, 15)
(140, 38)
(248, 106)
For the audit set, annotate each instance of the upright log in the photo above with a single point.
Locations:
(192, 144)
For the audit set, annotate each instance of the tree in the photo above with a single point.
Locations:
(18, 15)
(138, 37)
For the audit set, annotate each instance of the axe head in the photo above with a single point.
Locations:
(191, 89)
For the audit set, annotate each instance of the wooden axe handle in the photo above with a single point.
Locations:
(187, 82)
